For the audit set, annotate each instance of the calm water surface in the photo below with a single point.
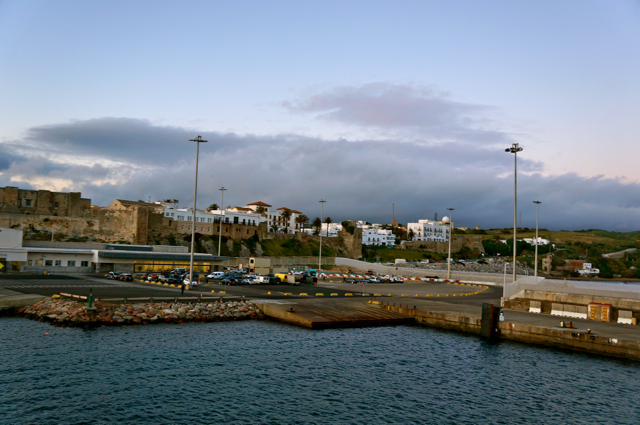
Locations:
(268, 373)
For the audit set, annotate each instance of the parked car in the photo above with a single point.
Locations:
(179, 271)
(126, 277)
(113, 275)
(186, 280)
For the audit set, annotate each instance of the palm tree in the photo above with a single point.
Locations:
(328, 220)
(317, 223)
(286, 216)
(175, 202)
(274, 228)
(301, 220)
(212, 207)
(261, 210)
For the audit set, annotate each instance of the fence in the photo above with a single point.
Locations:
(282, 261)
(497, 279)
(598, 289)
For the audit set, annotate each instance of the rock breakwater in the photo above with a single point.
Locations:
(74, 313)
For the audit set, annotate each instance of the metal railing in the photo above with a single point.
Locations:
(598, 289)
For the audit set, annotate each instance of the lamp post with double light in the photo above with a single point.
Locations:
(514, 149)
(222, 189)
(322, 201)
(198, 140)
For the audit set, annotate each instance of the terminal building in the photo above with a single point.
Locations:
(76, 257)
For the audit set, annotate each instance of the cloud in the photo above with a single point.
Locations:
(360, 180)
(423, 113)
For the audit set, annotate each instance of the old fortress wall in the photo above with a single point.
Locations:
(39, 213)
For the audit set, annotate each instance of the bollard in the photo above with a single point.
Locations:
(90, 299)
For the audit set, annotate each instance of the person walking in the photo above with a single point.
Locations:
(182, 287)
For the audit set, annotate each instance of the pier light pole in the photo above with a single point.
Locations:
(222, 189)
(537, 242)
(321, 218)
(198, 140)
(514, 149)
(450, 237)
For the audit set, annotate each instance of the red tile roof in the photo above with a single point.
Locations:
(260, 203)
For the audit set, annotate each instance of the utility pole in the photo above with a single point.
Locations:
(450, 237)
(535, 269)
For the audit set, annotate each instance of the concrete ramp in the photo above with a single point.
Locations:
(323, 314)
(16, 302)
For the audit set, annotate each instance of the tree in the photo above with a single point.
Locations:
(410, 235)
(286, 216)
(328, 220)
(301, 220)
(317, 224)
(213, 207)
(274, 228)
(261, 210)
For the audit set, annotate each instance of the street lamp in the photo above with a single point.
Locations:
(450, 237)
(222, 189)
(198, 140)
(514, 149)
(321, 218)
(537, 214)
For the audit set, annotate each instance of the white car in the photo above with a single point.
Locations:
(186, 281)
(215, 275)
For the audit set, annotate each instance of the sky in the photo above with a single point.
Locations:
(378, 107)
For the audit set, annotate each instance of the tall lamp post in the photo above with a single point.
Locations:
(450, 237)
(198, 140)
(321, 218)
(222, 189)
(514, 149)
(537, 242)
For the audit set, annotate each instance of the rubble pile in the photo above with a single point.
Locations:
(489, 266)
(74, 313)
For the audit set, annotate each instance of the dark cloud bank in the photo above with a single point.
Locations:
(359, 179)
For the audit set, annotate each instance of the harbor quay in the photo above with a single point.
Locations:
(331, 303)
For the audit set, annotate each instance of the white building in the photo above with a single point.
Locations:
(236, 215)
(330, 230)
(378, 237)
(534, 241)
(429, 230)
(276, 222)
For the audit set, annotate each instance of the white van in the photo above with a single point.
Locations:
(215, 275)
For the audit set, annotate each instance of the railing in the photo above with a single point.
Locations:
(598, 289)
(282, 261)
(497, 279)
(65, 245)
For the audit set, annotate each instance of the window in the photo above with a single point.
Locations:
(201, 229)
(208, 229)
(71, 263)
(171, 214)
(84, 263)
(28, 202)
(48, 262)
(30, 262)
(55, 205)
(235, 220)
(243, 221)
(169, 222)
(58, 263)
(226, 219)
(189, 228)
(182, 227)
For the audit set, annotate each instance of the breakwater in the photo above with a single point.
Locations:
(74, 313)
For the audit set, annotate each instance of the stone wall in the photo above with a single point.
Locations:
(42, 202)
